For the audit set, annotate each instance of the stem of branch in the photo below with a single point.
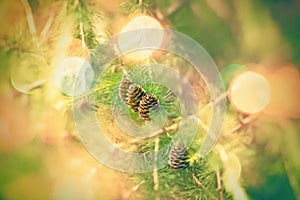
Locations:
(29, 17)
(27, 88)
(47, 26)
(135, 188)
(155, 173)
(81, 30)
(215, 101)
(242, 123)
(164, 130)
(219, 182)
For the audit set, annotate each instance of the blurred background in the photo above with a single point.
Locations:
(41, 156)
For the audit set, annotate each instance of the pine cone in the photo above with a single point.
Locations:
(124, 87)
(135, 95)
(178, 158)
(149, 101)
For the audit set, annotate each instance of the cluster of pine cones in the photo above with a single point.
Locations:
(137, 98)
(140, 101)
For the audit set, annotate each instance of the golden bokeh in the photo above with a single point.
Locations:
(140, 22)
(250, 92)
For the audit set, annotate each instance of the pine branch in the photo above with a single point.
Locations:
(137, 6)
(85, 17)
(197, 181)
(166, 182)
(81, 29)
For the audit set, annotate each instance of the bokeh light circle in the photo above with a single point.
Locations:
(250, 92)
(140, 23)
(229, 72)
(66, 72)
(28, 72)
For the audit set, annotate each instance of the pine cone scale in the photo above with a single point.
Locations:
(178, 158)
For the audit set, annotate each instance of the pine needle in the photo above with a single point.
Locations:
(203, 187)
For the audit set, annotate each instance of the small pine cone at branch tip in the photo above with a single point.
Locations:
(135, 95)
(149, 101)
(178, 158)
(124, 87)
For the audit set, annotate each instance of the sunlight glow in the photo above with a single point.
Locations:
(66, 72)
(250, 92)
(140, 22)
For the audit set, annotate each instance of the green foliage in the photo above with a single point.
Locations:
(274, 182)
(108, 85)
(208, 29)
(173, 184)
(86, 17)
(4, 67)
(286, 15)
(267, 154)
(132, 7)
(107, 88)
(181, 184)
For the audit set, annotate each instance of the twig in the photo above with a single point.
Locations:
(215, 101)
(203, 125)
(123, 68)
(219, 182)
(28, 87)
(135, 188)
(29, 17)
(47, 26)
(155, 173)
(164, 130)
(153, 60)
(222, 152)
(203, 187)
(140, 2)
(242, 123)
(81, 30)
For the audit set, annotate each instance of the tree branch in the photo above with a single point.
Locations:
(155, 173)
(219, 182)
